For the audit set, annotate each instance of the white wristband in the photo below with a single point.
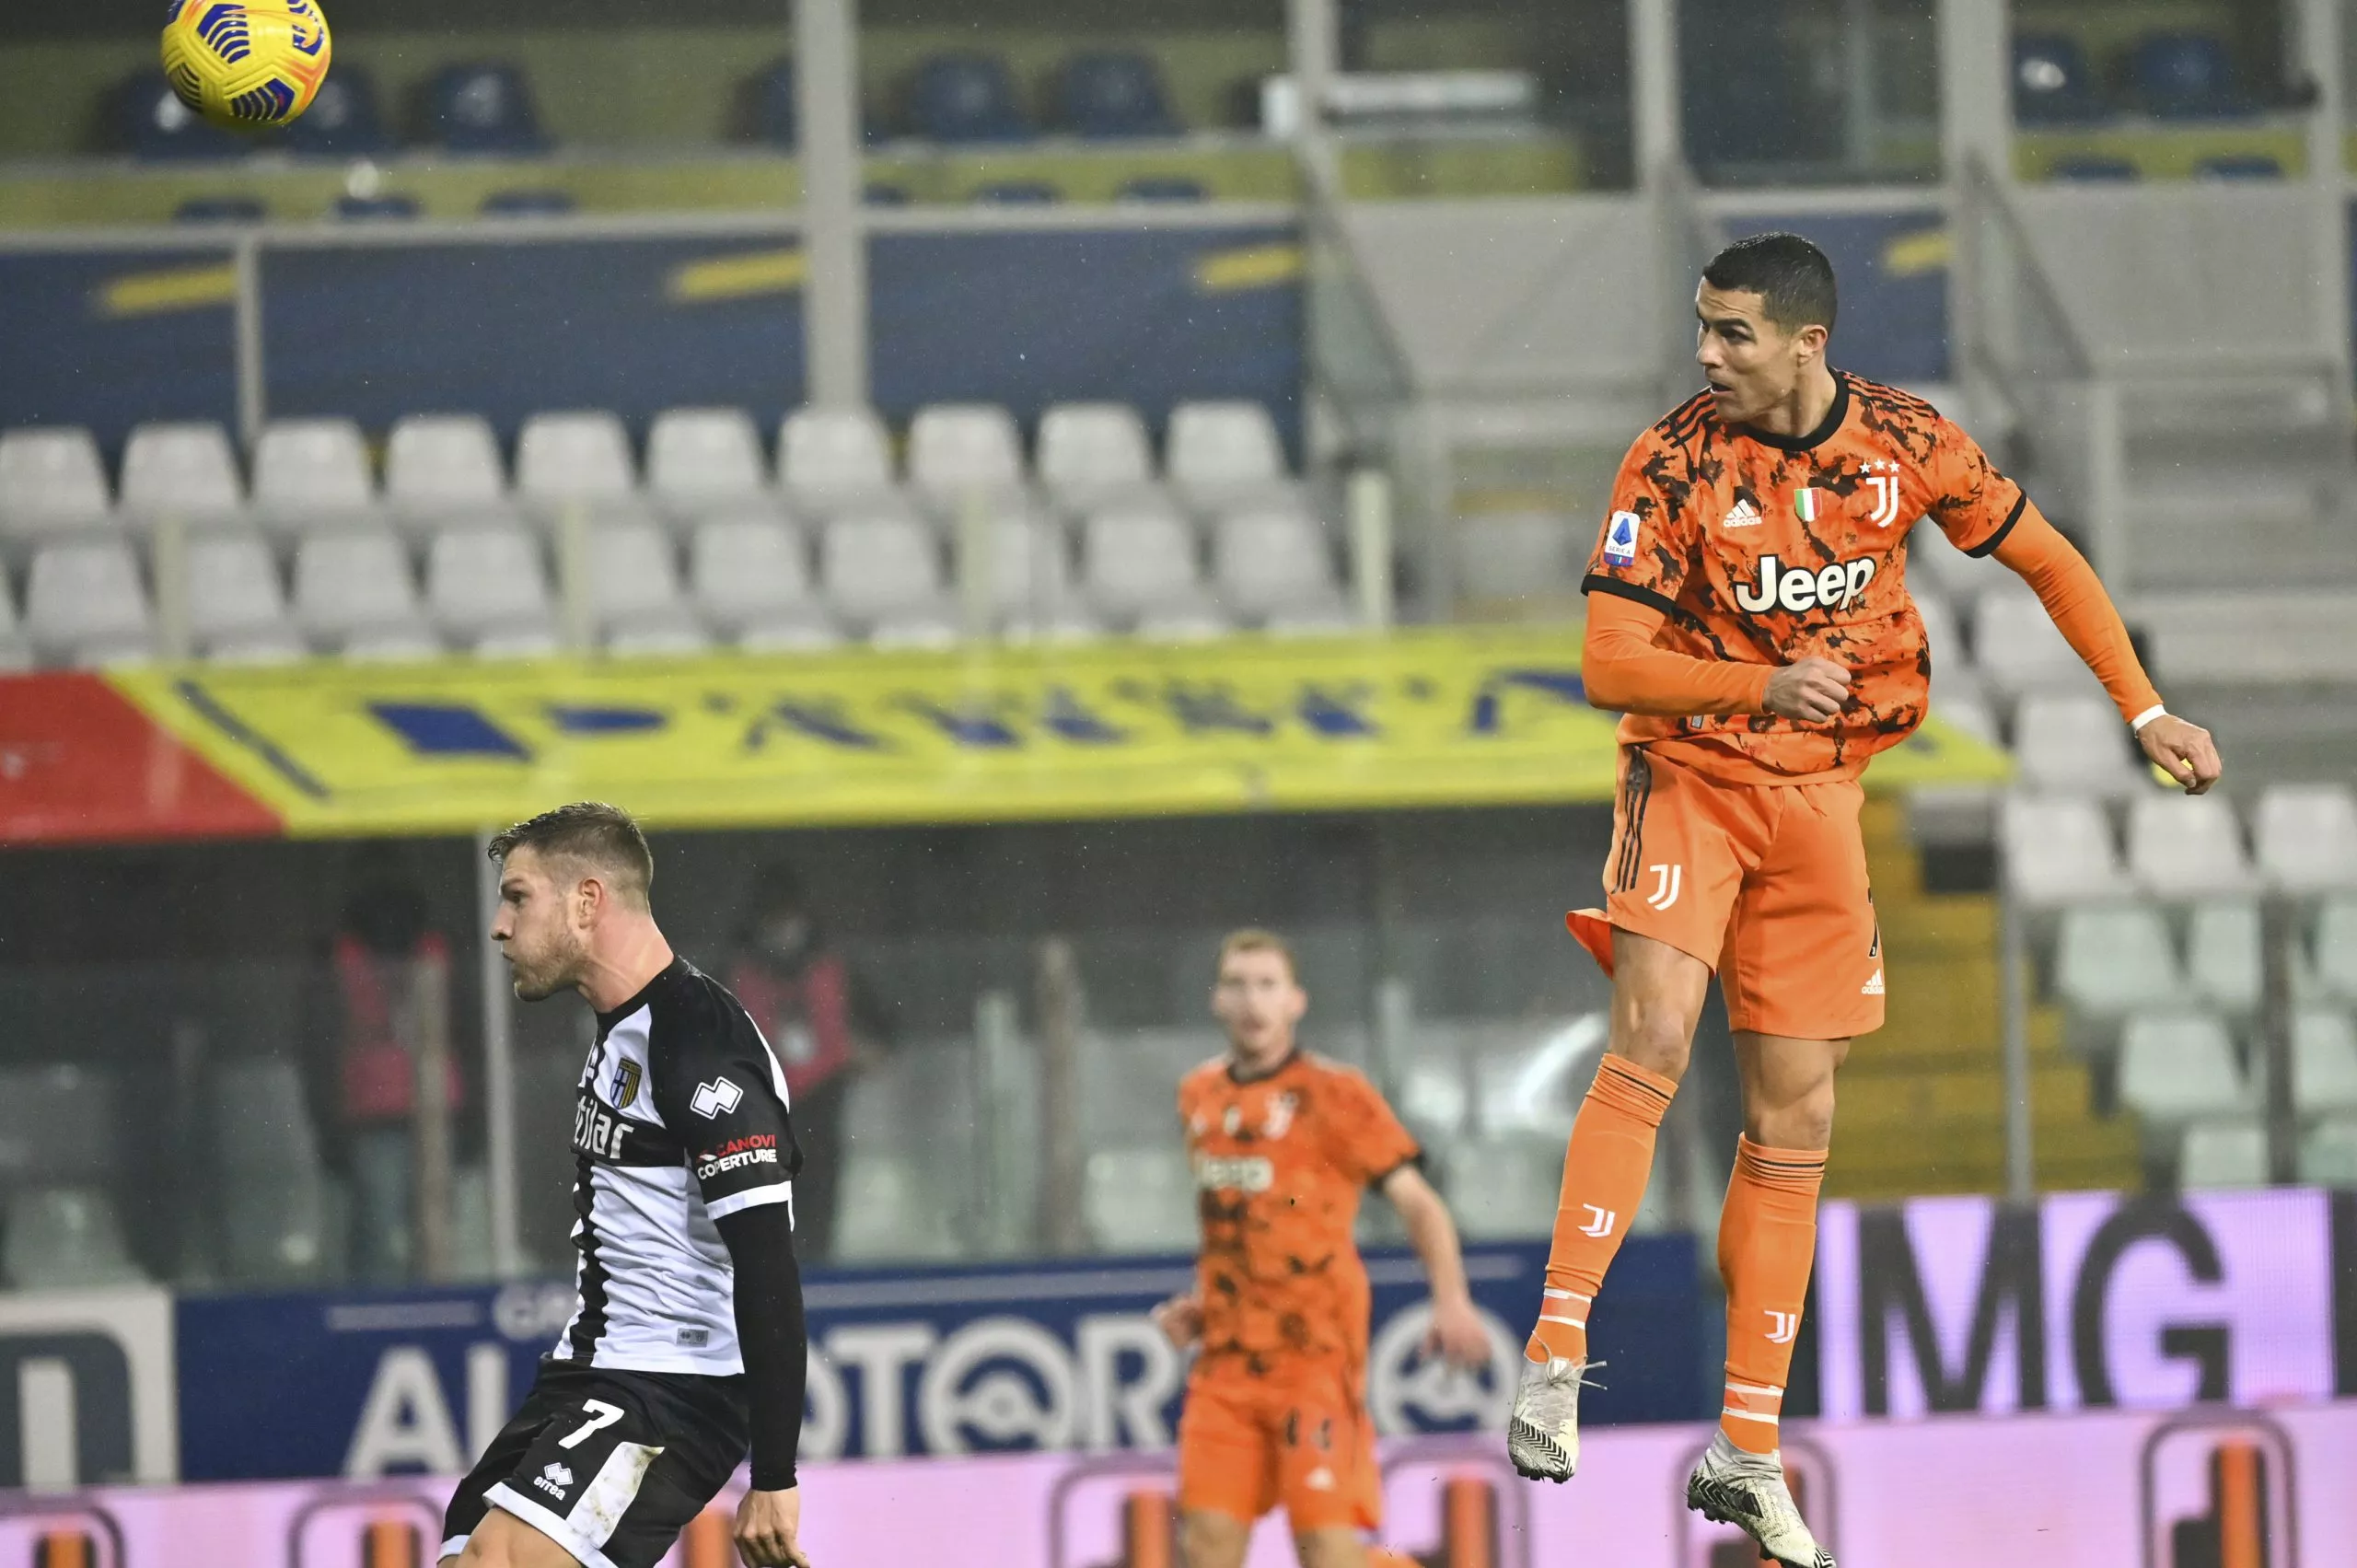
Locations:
(2147, 717)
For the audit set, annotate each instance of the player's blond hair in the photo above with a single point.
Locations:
(1254, 939)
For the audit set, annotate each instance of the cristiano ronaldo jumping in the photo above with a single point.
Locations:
(1748, 613)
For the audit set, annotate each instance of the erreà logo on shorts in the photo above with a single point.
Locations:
(1836, 586)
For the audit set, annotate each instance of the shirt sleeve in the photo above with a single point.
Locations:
(1973, 504)
(719, 1089)
(1366, 1142)
(1645, 550)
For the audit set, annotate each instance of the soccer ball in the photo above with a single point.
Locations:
(246, 64)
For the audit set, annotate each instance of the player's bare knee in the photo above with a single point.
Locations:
(1804, 1122)
(1211, 1540)
(1658, 1037)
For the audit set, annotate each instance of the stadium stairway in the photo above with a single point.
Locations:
(1922, 1101)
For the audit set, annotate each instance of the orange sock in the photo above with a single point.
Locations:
(1766, 1240)
(1604, 1181)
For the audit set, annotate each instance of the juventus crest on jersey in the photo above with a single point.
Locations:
(680, 1120)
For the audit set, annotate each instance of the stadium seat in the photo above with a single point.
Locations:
(1091, 454)
(702, 456)
(931, 628)
(528, 201)
(1018, 193)
(883, 194)
(574, 456)
(1961, 577)
(890, 1210)
(966, 97)
(2091, 170)
(187, 469)
(2324, 1063)
(1222, 454)
(482, 108)
(2186, 846)
(2245, 165)
(2018, 649)
(957, 450)
(393, 644)
(1333, 619)
(2184, 75)
(1498, 1185)
(1023, 566)
(484, 583)
(443, 463)
(680, 636)
(833, 458)
(1141, 560)
(2220, 1154)
(1158, 188)
(748, 571)
(343, 120)
(1139, 1200)
(1272, 561)
(877, 565)
(2059, 850)
(2328, 1153)
(2306, 836)
(310, 470)
(2179, 1067)
(1183, 623)
(156, 125)
(2111, 959)
(2073, 745)
(51, 482)
(2221, 955)
(393, 208)
(1062, 624)
(791, 634)
(234, 595)
(85, 595)
(635, 585)
(2052, 81)
(2336, 947)
(1107, 94)
(767, 106)
(1516, 554)
(221, 209)
(1961, 706)
(65, 1239)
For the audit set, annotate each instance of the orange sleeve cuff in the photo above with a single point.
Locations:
(2037, 553)
(1624, 671)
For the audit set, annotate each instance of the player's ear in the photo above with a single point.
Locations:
(1811, 340)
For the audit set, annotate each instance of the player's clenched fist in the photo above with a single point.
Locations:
(2182, 751)
(1181, 1319)
(1812, 689)
(767, 1523)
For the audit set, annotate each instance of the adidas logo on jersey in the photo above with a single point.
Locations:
(554, 1480)
(1743, 515)
(1836, 586)
(1872, 987)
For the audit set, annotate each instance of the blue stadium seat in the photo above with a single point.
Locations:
(966, 97)
(2185, 75)
(1164, 188)
(877, 194)
(1018, 193)
(2240, 165)
(2095, 170)
(376, 209)
(2052, 82)
(343, 122)
(1114, 94)
(221, 209)
(482, 108)
(770, 105)
(156, 125)
(529, 203)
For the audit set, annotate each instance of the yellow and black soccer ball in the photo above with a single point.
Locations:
(246, 64)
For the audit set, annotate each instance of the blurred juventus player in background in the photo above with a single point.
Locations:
(686, 1346)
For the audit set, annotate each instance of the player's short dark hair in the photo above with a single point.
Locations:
(1792, 277)
(592, 833)
(1253, 939)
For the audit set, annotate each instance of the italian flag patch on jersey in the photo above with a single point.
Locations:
(1808, 504)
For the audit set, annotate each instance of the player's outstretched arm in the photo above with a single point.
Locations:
(2037, 551)
(1623, 671)
(1457, 1333)
(775, 1342)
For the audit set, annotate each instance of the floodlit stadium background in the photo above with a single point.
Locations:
(1010, 466)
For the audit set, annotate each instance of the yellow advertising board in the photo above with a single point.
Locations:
(1454, 717)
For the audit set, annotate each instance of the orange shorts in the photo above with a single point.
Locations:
(1303, 1439)
(1766, 883)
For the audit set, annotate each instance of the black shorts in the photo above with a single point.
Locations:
(609, 1465)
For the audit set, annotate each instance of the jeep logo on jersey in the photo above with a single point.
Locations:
(1796, 588)
(1235, 1173)
(715, 1098)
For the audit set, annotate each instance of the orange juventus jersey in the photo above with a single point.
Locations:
(1280, 1162)
(1765, 550)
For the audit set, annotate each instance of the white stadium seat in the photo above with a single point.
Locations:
(2073, 744)
(1140, 560)
(957, 450)
(1183, 623)
(187, 469)
(2328, 1153)
(831, 459)
(2222, 1154)
(517, 640)
(1023, 565)
(2059, 848)
(233, 590)
(1217, 454)
(1140, 1198)
(1959, 576)
(65, 1239)
(1272, 560)
(2017, 647)
(487, 583)
(677, 637)
(1508, 555)
(926, 628)
(579, 456)
(2186, 846)
(84, 596)
(443, 463)
(2112, 960)
(698, 457)
(744, 571)
(264, 645)
(2324, 1062)
(51, 480)
(879, 566)
(356, 584)
(2306, 836)
(309, 469)
(2179, 1067)
(2336, 947)
(393, 644)
(1093, 453)
(632, 574)
(1312, 620)
(798, 633)
(2222, 954)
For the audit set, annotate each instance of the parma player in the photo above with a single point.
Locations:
(1749, 612)
(1283, 1143)
(686, 1346)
